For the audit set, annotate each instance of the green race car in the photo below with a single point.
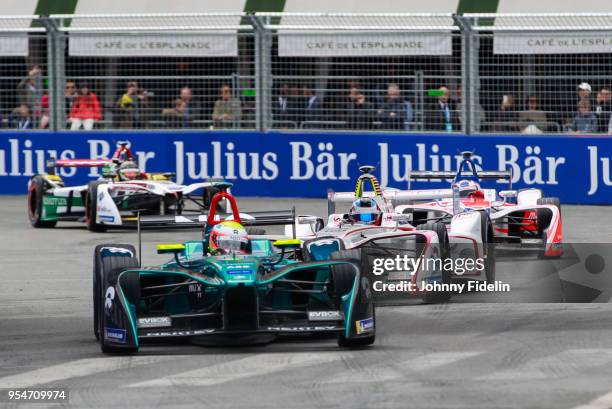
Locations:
(229, 286)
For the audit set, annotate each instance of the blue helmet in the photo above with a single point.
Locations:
(365, 210)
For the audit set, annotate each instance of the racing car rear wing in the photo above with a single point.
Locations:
(396, 197)
(483, 174)
(53, 163)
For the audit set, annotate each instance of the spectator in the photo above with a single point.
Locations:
(312, 104)
(20, 118)
(29, 91)
(394, 112)
(128, 106)
(191, 111)
(85, 109)
(44, 106)
(358, 111)
(227, 109)
(584, 94)
(532, 119)
(506, 119)
(70, 93)
(585, 121)
(443, 116)
(603, 109)
(280, 108)
(174, 116)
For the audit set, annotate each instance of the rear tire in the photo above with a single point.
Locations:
(35, 203)
(91, 205)
(106, 273)
(445, 254)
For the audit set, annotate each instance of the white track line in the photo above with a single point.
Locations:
(73, 369)
(563, 364)
(241, 368)
(390, 372)
(603, 402)
(437, 359)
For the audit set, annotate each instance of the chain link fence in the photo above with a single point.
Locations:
(368, 72)
(23, 78)
(543, 73)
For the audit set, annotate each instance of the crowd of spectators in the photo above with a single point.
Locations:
(295, 105)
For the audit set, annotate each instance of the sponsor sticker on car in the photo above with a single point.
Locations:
(154, 322)
(324, 315)
(364, 326)
(115, 334)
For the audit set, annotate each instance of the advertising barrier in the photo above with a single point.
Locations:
(574, 168)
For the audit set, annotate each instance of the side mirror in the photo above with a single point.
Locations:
(170, 248)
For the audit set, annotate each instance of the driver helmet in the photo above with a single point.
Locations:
(228, 237)
(129, 170)
(109, 170)
(365, 210)
(469, 188)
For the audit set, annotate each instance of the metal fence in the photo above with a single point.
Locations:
(393, 72)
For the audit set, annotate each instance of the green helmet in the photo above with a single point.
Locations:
(108, 171)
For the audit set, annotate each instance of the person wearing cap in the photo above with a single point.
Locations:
(584, 91)
(584, 94)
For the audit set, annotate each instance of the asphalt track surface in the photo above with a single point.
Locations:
(464, 354)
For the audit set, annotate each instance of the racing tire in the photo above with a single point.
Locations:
(106, 273)
(445, 254)
(91, 199)
(97, 278)
(358, 342)
(343, 276)
(488, 245)
(35, 203)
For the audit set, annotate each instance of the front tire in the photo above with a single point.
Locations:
(106, 273)
(35, 203)
(445, 254)
(486, 228)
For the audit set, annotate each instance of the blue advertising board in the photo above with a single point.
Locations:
(574, 168)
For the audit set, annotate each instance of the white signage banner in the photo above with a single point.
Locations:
(217, 45)
(553, 43)
(339, 44)
(14, 46)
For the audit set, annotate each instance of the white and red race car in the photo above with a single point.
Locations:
(468, 233)
(522, 219)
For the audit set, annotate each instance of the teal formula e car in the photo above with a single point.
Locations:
(231, 285)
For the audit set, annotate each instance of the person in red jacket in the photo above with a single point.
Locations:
(85, 109)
